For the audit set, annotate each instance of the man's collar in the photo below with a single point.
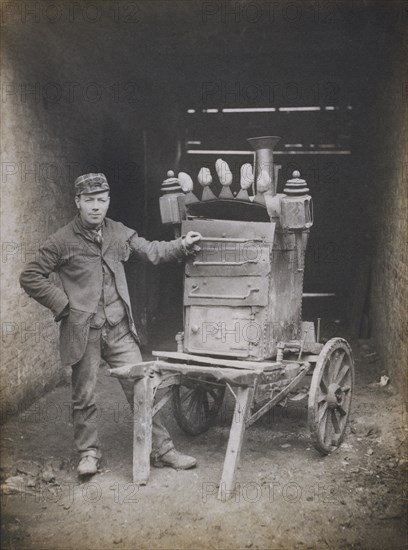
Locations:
(80, 227)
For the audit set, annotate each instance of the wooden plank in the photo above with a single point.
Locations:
(233, 376)
(142, 430)
(311, 357)
(231, 363)
(235, 441)
(311, 348)
(132, 371)
(169, 380)
(308, 332)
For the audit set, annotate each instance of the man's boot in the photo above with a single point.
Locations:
(174, 459)
(88, 465)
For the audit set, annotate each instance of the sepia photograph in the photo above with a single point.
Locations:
(204, 274)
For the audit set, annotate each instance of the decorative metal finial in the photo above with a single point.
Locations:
(170, 185)
(296, 187)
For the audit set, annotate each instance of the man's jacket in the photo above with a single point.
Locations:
(78, 261)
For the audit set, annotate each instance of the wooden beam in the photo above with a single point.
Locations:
(219, 362)
(235, 441)
(132, 371)
(233, 376)
(142, 430)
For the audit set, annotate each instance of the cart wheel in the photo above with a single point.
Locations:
(330, 395)
(196, 405)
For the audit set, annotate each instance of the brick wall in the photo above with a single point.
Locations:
(389, 294)
(35, 201)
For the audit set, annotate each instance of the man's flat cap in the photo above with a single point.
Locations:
(91, 183)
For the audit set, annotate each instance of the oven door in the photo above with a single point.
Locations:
(225, 331)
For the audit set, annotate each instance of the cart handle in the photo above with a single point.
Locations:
(193, 294)
(197, 262)
(230, 239)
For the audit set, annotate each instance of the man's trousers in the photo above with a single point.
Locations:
(117, 346)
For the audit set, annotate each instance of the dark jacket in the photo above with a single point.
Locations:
(78, 260)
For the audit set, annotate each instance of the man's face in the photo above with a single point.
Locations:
(93, 207)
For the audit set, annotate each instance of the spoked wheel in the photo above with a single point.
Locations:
(330, 395)
(196, 404)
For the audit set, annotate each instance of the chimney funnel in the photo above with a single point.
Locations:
(264, 169)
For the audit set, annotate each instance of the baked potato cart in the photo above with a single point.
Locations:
(243, 331)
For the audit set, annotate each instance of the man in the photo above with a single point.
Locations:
(94, 308)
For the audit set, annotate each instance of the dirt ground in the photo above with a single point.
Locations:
(287, 494)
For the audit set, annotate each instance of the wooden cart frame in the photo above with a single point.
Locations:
(329, 397)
